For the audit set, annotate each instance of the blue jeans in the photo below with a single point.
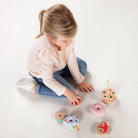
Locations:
(42, 89)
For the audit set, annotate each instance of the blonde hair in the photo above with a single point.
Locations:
(57, 21)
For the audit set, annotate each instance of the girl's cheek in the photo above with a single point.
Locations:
(69, 42)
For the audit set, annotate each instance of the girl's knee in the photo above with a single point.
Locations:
(82, 66)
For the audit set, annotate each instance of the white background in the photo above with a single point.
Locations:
(107, 40)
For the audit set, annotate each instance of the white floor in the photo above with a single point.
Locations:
(107, 40)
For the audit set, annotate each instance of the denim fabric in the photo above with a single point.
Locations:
(41, 89)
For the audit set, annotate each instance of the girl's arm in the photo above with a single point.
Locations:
(74, 69)
(73, 65)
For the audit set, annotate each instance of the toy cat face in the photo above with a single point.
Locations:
(71, 121)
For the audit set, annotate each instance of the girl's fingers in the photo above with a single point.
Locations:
(71, 103)
(79, 98)
(82, 89)
(88, 90)
(85, 89)
(90, 84)
(91, 88)
(76, 103)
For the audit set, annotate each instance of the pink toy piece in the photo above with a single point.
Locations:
(98, 109)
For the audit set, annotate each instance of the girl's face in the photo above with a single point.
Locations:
(63, 42)
(60, 41)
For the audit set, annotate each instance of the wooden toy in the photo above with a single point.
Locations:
(103, 128)
(69, 121)
(60, 116)
(108, 94)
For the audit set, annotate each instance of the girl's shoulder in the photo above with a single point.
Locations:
(40, 43)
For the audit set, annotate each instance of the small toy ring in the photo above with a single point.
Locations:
(98, 109)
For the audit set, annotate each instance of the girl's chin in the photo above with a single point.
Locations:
(63, 46)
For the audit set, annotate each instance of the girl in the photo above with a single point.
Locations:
(52, 56)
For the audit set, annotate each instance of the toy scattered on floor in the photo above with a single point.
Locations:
(103, 128)
(72, 121)
(108, 94)
(98, 109)
(69, 121)
(60, 116)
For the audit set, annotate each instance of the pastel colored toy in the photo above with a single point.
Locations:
(102, 128)
(108, 94)
(98, 109)
(69, 121)
(60, 116)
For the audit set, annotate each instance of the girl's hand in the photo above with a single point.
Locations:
(86, 87)
(73, 98)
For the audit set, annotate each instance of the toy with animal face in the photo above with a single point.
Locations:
(69, 121)
(102, 128)
(108, 94)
